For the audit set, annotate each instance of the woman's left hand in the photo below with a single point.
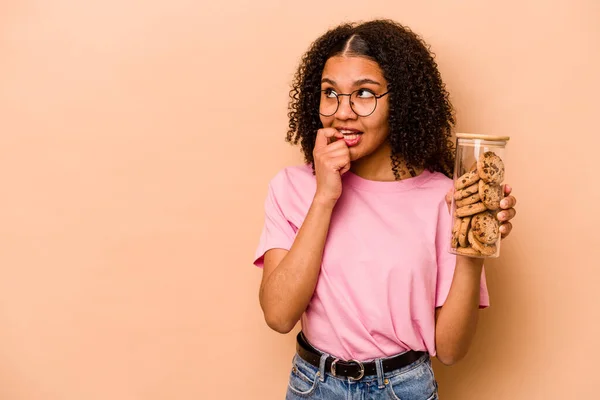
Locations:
(505, 214)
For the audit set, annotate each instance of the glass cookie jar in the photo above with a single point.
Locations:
(479, 172)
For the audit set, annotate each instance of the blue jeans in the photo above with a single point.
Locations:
(412, 382)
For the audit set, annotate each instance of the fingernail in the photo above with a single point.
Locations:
(502, 215)
(504, 203)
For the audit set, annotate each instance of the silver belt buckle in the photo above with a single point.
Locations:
(332, 370)
(360, 364)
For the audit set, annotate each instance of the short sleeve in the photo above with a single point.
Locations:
(446, 261)
(277, 232)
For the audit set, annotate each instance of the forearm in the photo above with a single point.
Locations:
(289, 288)
(457, 320)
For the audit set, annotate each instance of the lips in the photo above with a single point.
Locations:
(351, 136)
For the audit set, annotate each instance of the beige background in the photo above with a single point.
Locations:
(136, 142)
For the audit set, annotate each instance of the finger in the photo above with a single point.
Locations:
(332, 134)
(324, 137)
(507, 215)
(345, 168)
(340, 163)
(337, 149)
(508, 202)
(449, 196)
(321, 140)
(334, 139)
(505, 229)
(507, 190)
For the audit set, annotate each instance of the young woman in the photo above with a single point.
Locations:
(355, 241)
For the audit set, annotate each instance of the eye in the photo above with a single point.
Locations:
(364, 93)
(330, 93)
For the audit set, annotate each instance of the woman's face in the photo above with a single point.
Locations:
(364, 135)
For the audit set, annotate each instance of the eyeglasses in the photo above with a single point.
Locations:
(362, 101)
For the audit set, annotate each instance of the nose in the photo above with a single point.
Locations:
(344, 110)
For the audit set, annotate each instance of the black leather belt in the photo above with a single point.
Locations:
(353, 369)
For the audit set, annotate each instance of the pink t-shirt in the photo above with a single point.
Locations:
(385, 264)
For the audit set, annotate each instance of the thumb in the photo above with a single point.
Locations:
(449, 196)
(345, 169)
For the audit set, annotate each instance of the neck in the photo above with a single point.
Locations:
(377, 166)
(373, 172)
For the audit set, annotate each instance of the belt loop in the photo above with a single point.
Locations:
(379, 368)
(322, 362)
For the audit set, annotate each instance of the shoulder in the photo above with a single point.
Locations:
(434, 189)
(295, 176)
(291, 191)
(437, 182)
(293, 183)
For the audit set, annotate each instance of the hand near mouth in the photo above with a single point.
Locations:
(332, 160)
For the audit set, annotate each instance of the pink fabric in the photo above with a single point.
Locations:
(385, 264)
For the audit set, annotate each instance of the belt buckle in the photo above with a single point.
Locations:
(360, 364)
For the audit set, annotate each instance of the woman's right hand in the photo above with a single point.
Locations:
(332, 160)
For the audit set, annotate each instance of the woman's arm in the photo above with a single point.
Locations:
(456, 320)
(290, 277)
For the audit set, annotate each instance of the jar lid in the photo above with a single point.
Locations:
(482, 137)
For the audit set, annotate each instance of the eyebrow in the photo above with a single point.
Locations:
(356, 83)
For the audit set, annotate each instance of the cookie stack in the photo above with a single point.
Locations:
(478, 193)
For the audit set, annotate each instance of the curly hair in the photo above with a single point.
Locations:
(421, 116)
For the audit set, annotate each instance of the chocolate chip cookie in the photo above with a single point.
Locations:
(471, 209)
(490, 195)
(468, 200)
(485, 249)
(466, 192)
(485, 227)
(466, 180)
(455, 230)
(463, 231)
(467, 251)
(490, 168)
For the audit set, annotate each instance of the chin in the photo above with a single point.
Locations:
(355, 154)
